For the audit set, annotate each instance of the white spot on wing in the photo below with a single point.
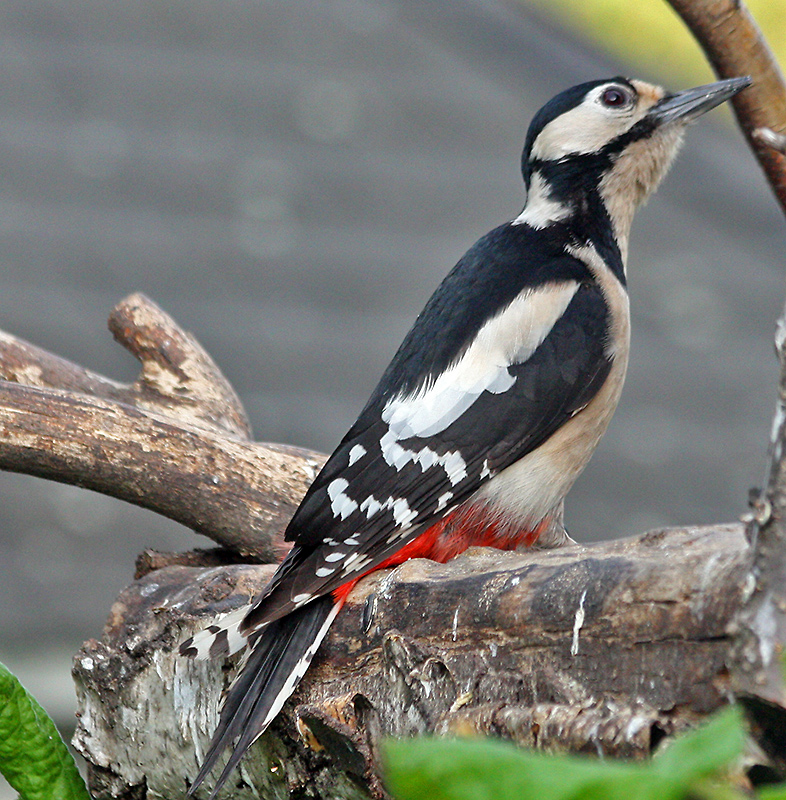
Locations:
(397, 534)
(371, 506)
(341, 504)
(302, 598)
(442, 501)
(402, 513)
(355, 563)
(356, 453)
(323, 572)
(398, 457)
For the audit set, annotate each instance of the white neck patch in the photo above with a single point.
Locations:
(541, 210)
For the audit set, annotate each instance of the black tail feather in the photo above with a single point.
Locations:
(277, 662)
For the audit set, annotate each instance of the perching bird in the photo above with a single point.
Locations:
(492, 405)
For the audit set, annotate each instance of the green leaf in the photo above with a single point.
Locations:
(483, 769)
(705, 750)
(439, 769)
(33, 757)
(773, 792)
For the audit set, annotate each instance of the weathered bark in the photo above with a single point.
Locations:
(605, 648)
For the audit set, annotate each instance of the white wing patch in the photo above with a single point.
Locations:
(402, 513)
(509, 338)
(398, 457)
(355, 563)
(442, 501)
(343, 505)
(356, 453)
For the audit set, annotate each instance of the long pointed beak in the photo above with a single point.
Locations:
(684, 106)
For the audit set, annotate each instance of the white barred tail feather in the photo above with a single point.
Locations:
(278, 660)
(222, 638)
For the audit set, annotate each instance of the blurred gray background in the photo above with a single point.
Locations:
(291, 180)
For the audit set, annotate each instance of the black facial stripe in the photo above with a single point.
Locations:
(643, 129)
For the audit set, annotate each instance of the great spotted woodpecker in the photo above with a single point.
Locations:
(492, 405)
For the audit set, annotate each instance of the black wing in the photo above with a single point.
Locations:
(362, 508)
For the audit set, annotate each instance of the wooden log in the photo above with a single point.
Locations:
(605, 648)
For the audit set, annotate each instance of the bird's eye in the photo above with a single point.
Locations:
(614, 97)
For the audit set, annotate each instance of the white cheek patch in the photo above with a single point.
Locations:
(509, 338)
(584, 129)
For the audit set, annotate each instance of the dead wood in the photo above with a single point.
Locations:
(601, 649)
(176, 441)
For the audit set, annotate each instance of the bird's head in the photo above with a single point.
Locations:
(609, 140)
